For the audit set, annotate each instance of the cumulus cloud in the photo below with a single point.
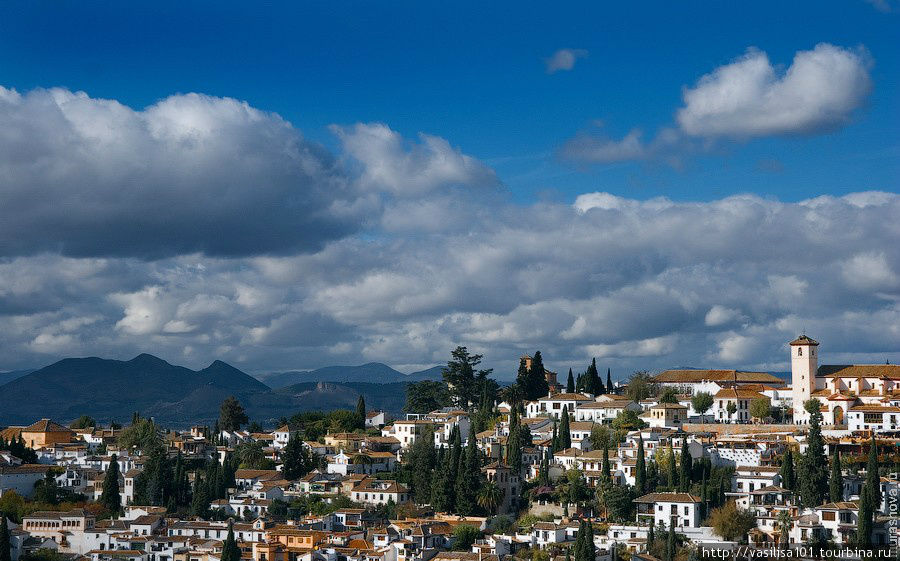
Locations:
(91, 177)
(750, 97)
(410, 169)
(563, 59)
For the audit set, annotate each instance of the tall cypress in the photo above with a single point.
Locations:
(230, 550)
(570, 383)
(787, 471)
(565, 435)
(670, 542)
(836, 481)
(5, 546)
(554, 442)
(873, 480)
(684, 478)
(640, 469)
(442, 490)
(670, 468)
(110, 498)
(813, 480)
(652, 476)
(604, 467)
(361, 411)
(467, 477)
(609, 385)
(866, 518)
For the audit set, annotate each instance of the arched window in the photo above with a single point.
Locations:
(799, 351)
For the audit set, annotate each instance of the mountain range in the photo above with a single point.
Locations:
(373, 372)
(111, 390)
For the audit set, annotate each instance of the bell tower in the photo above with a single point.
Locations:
(804, 364)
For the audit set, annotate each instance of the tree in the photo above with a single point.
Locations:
(110, 498)
(297, 460)
(872, 478)
(83, 422)
(533, 379)
(702, 402)
(788, 480)
(468, 477)
(836, 481)
(640, 386)
(604, 466)
(421, 461)
(670, 468)
(866, 518)
(668, 395)
(640, 475)
(230, 550)
(199, 497)
(813, 476)
(784, 522)
(5, 546)
(46, 490)
(609, 384)
(463, 379)
(670, 543)
(232, 415)
(570, 383)
(730, 522)
(731, 408)
(584, 542)
(565, 435)
(490, 496)
(600, 436)
(628, 421)
(464, 537)
(361, 411)
(760, 408)
(684, 477)
(426, 396)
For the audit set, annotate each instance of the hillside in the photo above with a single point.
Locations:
(111, 390)
(6, 377)
(373, 372)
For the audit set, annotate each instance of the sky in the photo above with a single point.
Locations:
(297, 185)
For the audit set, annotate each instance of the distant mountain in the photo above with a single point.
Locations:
(111, 390)
(372, 372)
(13, 374)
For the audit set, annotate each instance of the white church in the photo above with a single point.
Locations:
(859, 396)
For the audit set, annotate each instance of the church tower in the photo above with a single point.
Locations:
(804, 364)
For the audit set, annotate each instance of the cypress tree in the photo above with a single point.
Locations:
(565, 435)
(230, 550)
(787, 471)
(570, 384)
(589, 547)
(467, 477)
(651, 537)
(604, 467)
(200, 497)
(442, 493)
(836, 481)
(514, 450)
(684, 478)
(361, 411)
(609, 385)
(640, 475)
(670, 465)
(5, 546)
(813, 480)
(670, 543)
(554, 442)
(704, 495)
(110, 498)
(453, 469)
(873, 480)
(652, 476)
(866, 518)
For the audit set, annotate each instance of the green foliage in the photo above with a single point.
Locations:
(464, 380)
(628, 420)
(788, 474)
(600, 437)
(230, 550)
(468, 477)
(464, 537)
(584, 549)
(640, 386)
(702, 402)
(110, 498)
(589, 381)
(83, 422)
(731, 522)
(142, 434)
(5, 546)
(419, 464)
(252, 455)
(760, 408)
(361, 411)
(297, 459)
(813, 468)
(46, 490)
(617, 500)
(533, 381)
(17, 447)
(836, 480)
(731, 408)
(684, 471)
(232, 415)
(570, 383)
(489, 497)
(668, 395)
(565, 435)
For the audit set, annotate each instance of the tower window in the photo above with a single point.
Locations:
(799, 351)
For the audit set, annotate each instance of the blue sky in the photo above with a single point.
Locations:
(297, 185)
(474, 74)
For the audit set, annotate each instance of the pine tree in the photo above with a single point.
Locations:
(609, 385)
(836, 481)
(110, 498)
(565, 434)
(570, 383)
(787, 471)
(684, 478)
(640, 475)
(5, 546)
(230, 550)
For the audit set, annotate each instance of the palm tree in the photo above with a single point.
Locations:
(489, 496)
(784, 523)
(361, 459)
(512, 394)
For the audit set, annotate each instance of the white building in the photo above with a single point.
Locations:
(680, 509)
(553, 405)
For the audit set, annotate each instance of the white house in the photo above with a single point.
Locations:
(552, 405)
(873, 417)
(378, 492)
(21, 478)
(680, 509)
(740, 398)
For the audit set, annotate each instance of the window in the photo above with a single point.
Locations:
(799, 351)
(828, 516)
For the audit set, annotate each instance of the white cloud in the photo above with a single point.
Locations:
(749, 97)
(564, 59)
(408, 169)
(869, 271)
(720, 315)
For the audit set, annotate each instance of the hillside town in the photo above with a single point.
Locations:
(665, 466)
